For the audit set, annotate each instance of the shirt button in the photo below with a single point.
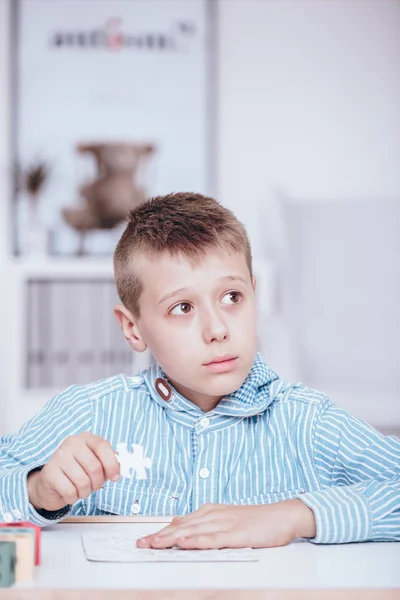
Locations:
(136, 381)
(204, 422)
(17, 514)
(8, 517)
(136, 508)
(204, 473)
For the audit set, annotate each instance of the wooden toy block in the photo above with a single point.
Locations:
(8, 559)
(25, 543)
(38, 533)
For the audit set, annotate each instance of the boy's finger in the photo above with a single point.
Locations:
(167, 541)
(64, 486)
(210, 541)
(179, 526)
(164, 531)
(77, 476)
(91, 465)
(147, 541)
(199, 520)
(106, 455)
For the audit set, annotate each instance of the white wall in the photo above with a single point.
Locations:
(309, 97)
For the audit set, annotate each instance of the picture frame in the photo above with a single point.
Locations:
(109, 107)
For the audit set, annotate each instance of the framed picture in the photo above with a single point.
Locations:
(113, 102)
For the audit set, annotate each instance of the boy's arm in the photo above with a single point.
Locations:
(68, 413)
(359, 471)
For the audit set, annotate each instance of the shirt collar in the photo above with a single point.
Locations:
(253, 397)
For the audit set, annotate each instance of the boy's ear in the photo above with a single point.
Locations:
(254, 282)
(130, 329)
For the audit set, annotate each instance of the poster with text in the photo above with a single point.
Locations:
(113, 104)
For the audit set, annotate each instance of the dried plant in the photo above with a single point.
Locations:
(31, 180)
(35, 177)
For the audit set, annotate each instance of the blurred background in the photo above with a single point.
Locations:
(287, 111)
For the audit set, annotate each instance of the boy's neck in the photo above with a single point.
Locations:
(203, 401)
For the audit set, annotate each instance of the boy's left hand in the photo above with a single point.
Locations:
(228, 526)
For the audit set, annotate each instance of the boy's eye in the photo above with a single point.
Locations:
(234, 297)
(184, 306)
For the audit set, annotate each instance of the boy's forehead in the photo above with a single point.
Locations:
(218, 259)
(164, 271)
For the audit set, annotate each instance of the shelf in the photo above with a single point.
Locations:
(60, 267)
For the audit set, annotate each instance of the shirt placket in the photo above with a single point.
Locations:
(204, 475)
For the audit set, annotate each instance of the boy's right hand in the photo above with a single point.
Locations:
(79, 466)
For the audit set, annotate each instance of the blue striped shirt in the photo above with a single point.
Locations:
(268, 441)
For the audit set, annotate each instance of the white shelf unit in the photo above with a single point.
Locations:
(20, 402)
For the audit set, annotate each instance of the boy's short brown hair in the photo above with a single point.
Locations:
(179, 223)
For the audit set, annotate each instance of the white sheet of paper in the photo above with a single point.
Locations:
(121, 547)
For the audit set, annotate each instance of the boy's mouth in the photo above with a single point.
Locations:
(221, 364)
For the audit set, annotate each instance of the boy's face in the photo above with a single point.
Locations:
(194, 313)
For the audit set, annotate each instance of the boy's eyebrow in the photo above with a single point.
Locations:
(184, 289)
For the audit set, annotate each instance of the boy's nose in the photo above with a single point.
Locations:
(218, 336)
(215, 331)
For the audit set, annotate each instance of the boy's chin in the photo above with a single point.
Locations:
(225, 384)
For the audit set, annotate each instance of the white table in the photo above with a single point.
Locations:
(299, 566)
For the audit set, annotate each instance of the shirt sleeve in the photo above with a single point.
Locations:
(359, 472)
(68, 413)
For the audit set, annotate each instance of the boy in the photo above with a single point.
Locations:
(248, 459)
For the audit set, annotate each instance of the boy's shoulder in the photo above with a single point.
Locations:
(109, 387)
(114, 384)
(269, 391)
(299, 394)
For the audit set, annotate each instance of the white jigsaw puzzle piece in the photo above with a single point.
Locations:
(133, 461)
